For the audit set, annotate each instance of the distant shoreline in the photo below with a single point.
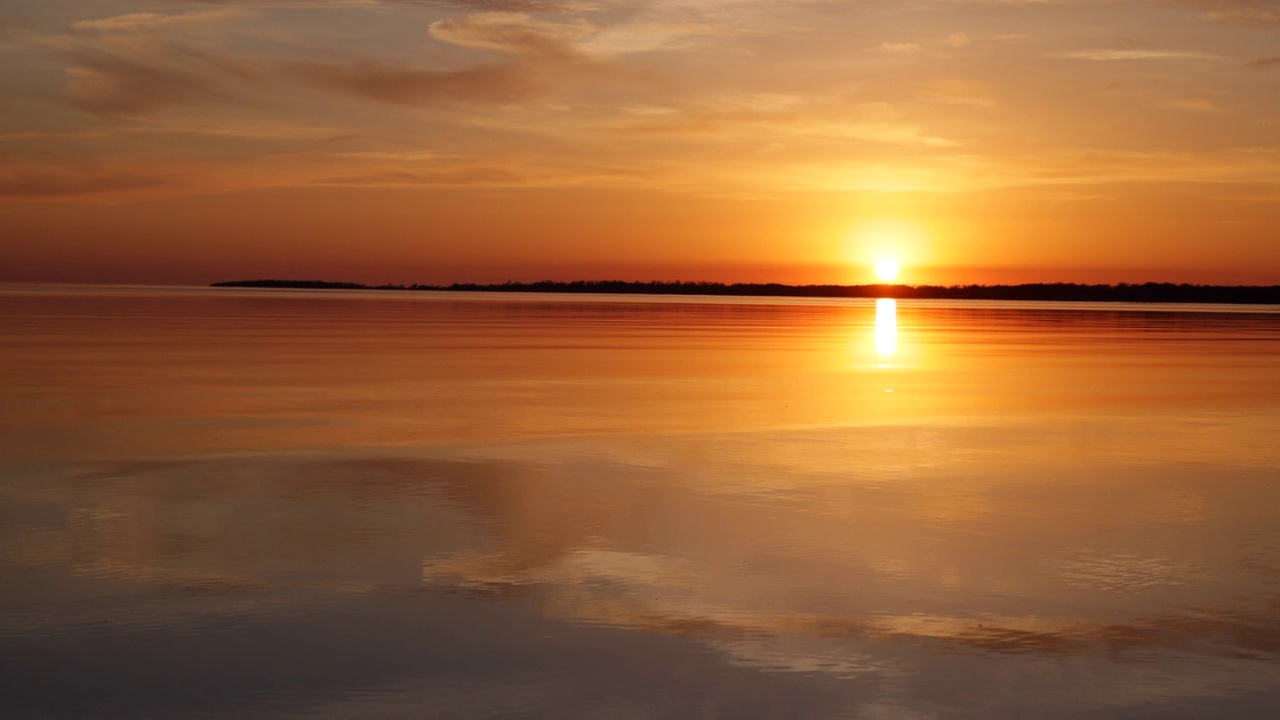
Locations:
(1067, 292)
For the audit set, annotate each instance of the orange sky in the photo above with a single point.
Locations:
(793, 140)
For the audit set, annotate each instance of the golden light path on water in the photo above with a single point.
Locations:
(886, 327)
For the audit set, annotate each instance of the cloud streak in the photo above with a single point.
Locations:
(399, 85)
(531, 6)
(36, 184)
(1108, 55)
(1252, 13)
(544, 57)
(114, 80)
(138, 63)
(151, 21)
(516, 33)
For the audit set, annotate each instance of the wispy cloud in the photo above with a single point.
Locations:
(641, 37)
(760, 118)
(150, 20)
(511, 32)
(899, 48)
(1119, 55)
(241, 129)
(136, 63)
(544, 57)
(57, 184)
(539, 6)
(531, 6)
(1256, 13)
(401, 85)
(128, 79)
(467, 177)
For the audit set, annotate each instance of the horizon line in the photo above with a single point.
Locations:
(1150, 292)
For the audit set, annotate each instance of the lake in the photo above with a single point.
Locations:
(309, 504)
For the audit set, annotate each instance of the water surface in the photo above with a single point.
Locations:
(245, 503)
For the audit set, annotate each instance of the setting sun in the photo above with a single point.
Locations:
(887, 269)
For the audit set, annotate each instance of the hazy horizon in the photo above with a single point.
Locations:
(805, 276)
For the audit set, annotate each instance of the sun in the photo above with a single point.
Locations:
(887, 269)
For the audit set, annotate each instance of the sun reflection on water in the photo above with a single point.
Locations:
(886, 327)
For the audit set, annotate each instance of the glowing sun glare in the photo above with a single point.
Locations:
(887, 269)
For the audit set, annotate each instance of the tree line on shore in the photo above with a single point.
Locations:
(1071, 292)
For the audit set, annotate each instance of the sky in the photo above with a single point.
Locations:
(800, 141)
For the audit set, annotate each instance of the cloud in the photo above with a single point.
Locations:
(151, 21)
(1266, 63)
(1113, 55)
(1256, 18)
(121, 66)
(477, 176)
(546, 57)
(105, 82)
(1256, 13)
(132, 64)
(516, 33)
(957, 40)
(33, 184)
(242, 129)
(129, 79)
(533, 6)
(895, 48)
(1244, 165)
(399, 85)
(767, 117)
(507, 5)
(638, 37)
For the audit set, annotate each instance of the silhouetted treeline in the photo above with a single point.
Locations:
(1124, 292)
(319, 285)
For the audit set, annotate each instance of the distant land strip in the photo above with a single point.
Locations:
(1070, 292)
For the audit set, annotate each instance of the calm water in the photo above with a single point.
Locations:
(303, 504)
